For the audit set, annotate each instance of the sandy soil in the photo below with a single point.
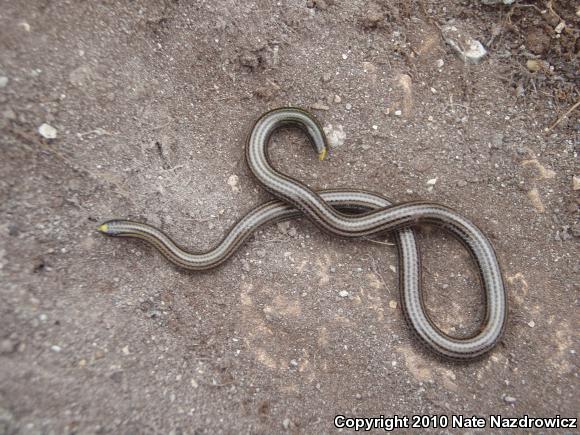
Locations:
(151, 102)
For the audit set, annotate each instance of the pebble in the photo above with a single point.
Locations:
(55, 348)
(509, 399)
(576, 182)
(249, 60)
(462, 183)
(343, 294)
(348, 106)
(398, 113)
(233, 182)
(292, 232)
(467, 49)
(3, 81)
(326, 77)
(337, 99)
(393, 304)
(294, 362)
(245, 266)
(432, 181)
(319, 105)
(7, 346)
(286, 423)
(531, 323)
(261, 253)
(440, 63)
(47, 131)
(283, 227)
(335, 136)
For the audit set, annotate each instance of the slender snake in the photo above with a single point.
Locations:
(351, 214)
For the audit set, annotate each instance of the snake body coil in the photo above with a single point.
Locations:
(327, 210)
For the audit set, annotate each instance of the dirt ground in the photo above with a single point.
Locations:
(151, 102)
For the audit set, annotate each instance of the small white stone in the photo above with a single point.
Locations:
(393, 304)
(375, 127)
(337, 99)
(286, 423)
(47, 131)
(398, 113)
(55, 348)
(336, 136)
(432, 181)
(348, 106)
(531, 323)
(126, 350)
(576, 182)
(343, 294)
(3, 81)
(233, 182)
(345, 56)
(440, 63)
(509, 399)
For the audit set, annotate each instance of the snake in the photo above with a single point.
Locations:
(349, 214)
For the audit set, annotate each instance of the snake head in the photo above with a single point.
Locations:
(109, 228)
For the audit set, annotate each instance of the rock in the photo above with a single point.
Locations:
(373, 19)
(286, 423)
(7, 346)
(468, 49)
(336, 136)
(233, 183)
(432, 181)
(534, 197)
(261, 253)
(439, 63)
(245, 266)
(535, 65)
(576, 182)
(283, 227)
(348, 106)
(343, 294)
(326, 77)
(292, 232)
(461, 183)
(337, 99)
(47, 131)
(55, 348)
(509, 399)
(3, 81)
(531, 323)
(249, 60)
(319, 105)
